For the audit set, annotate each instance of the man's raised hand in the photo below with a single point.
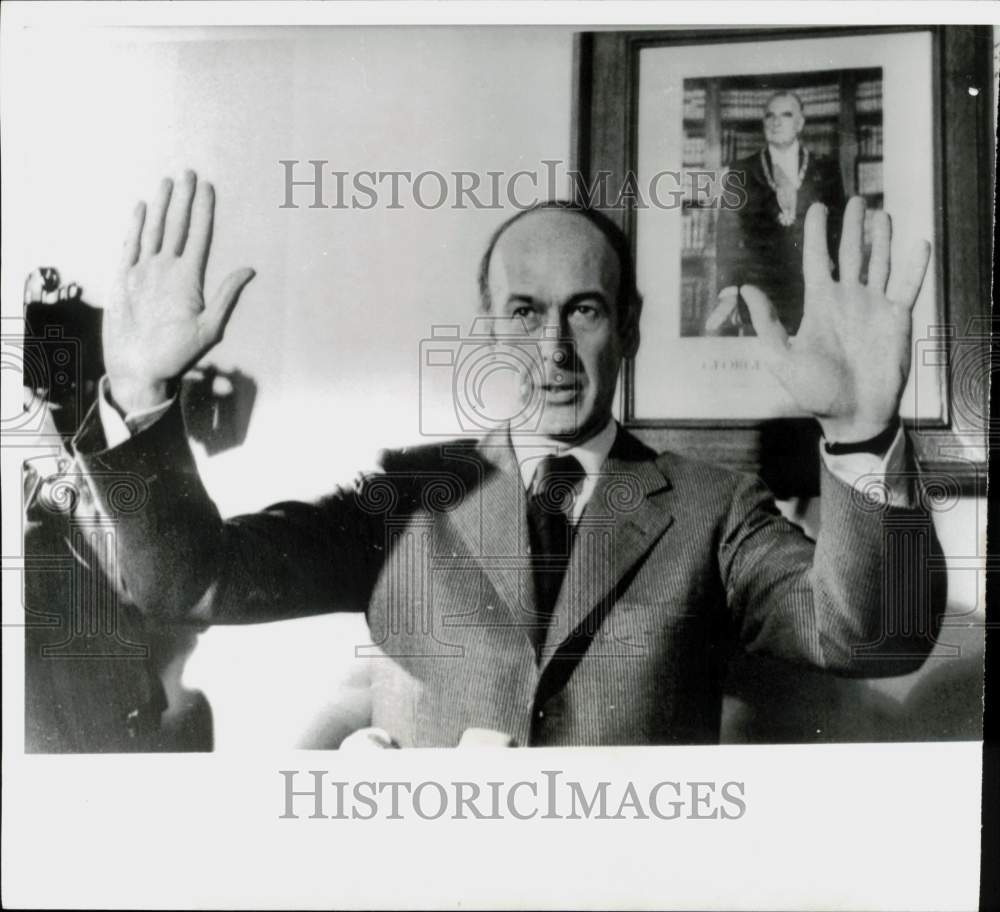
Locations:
(849, 362)
(157, 323)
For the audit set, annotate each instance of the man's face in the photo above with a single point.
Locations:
(783, 120)
(556, 272)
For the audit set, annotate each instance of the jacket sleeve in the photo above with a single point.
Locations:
(864, 600)
(730, 252)
(179, 560)
(831, 193)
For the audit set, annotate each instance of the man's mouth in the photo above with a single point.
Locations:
(561, 392)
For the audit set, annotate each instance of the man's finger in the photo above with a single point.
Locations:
(879, 264)
(179, 214)
(199, 240)
(815, 256)
(851, 241)
(368, 739)
(765, 320)
(152, 230)
(130, 248)
(905, 285)
(486, 737)
(212, 321)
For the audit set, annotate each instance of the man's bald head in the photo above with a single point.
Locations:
(786, 94)
(567, 225)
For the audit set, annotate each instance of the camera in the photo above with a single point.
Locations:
(56, 349)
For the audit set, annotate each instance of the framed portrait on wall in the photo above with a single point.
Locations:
(726, 137)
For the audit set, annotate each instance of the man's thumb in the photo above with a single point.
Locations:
(217, 314)
(765, 321)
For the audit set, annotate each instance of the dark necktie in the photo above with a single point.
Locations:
(550, 528)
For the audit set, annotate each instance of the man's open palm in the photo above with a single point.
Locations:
(850, 360)
(158, 324)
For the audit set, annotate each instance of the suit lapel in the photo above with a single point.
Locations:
(491, 520)
(623, 519)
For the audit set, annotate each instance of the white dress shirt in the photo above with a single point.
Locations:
(787, 160)
(591, 454)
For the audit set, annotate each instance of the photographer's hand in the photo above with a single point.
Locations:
(157, 324)
(849, 362)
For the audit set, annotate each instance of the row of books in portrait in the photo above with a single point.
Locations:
(694, 298)
(817, 100)
(698, 230)
(737, 144)
(870, 140)
(820, 139)
(869, 178)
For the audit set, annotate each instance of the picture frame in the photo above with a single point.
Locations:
(936, 122)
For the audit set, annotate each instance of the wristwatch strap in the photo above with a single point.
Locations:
(879, 444)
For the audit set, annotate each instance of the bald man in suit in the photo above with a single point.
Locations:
(762, 242)
(565, 586)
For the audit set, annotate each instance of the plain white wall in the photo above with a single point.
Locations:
(331, 325)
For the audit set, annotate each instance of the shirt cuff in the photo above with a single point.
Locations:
(118, 429)
(881, 478)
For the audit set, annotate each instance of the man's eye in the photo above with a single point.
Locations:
(584, 313)
(524, 318)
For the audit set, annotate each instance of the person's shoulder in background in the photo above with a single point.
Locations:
(749, 164)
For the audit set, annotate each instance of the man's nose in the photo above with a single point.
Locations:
(556, 332)
(556, 343)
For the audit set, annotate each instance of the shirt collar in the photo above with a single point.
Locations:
(592, 453)
(788, 157)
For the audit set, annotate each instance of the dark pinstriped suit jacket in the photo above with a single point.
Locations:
(676, 565)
